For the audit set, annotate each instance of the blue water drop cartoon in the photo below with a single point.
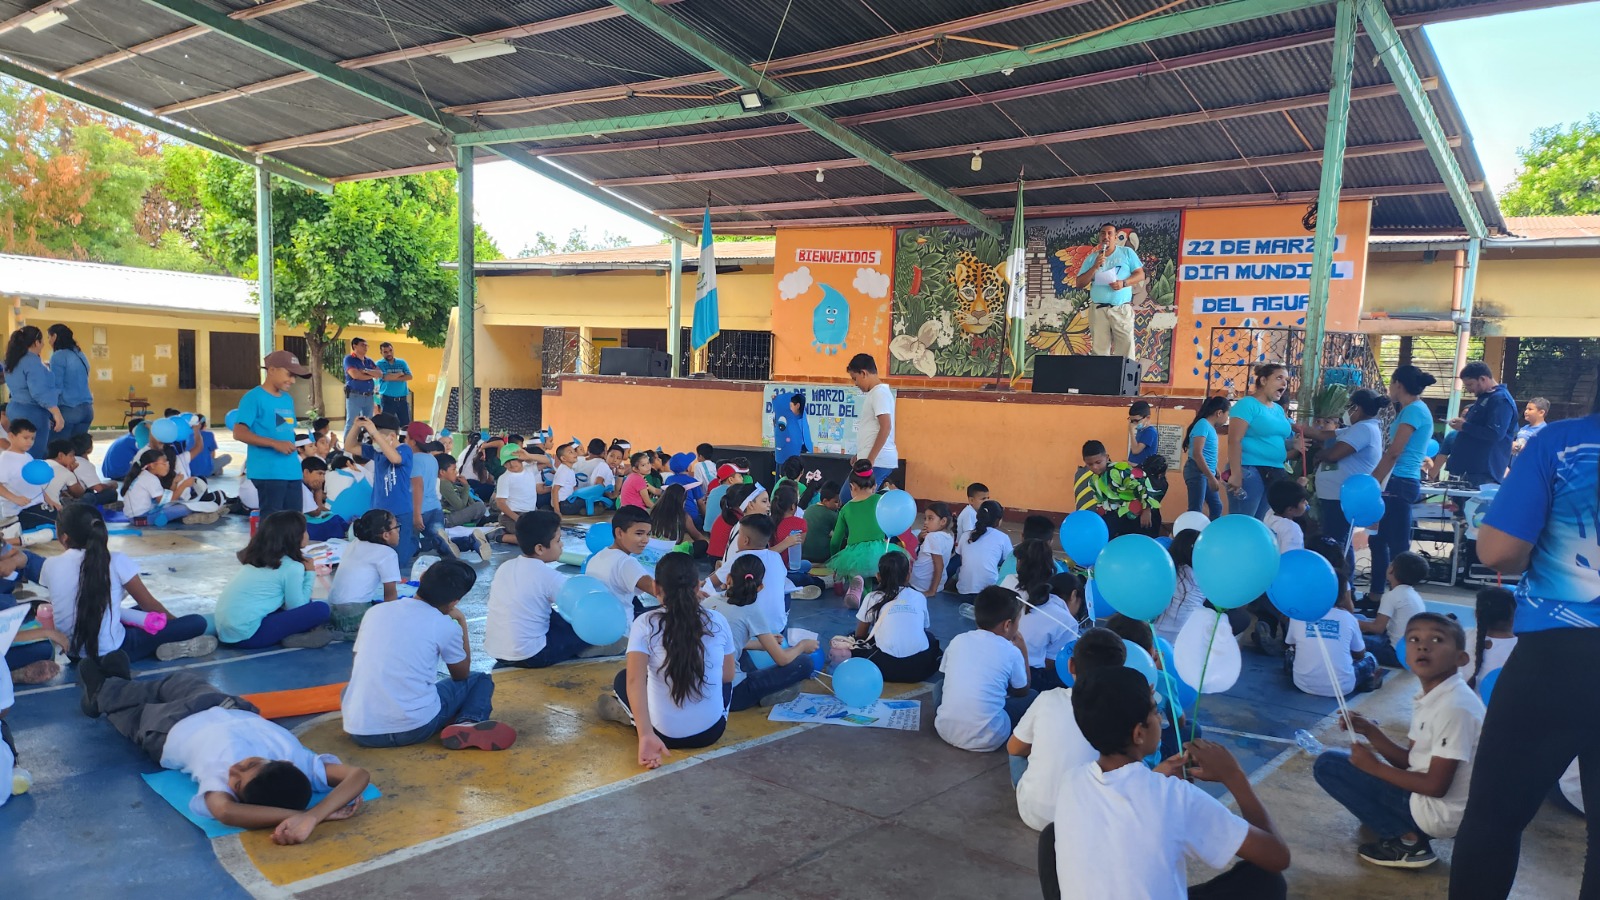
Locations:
(830, 323)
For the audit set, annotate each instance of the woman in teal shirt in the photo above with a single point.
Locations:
(1401, 464)
(1259, 436)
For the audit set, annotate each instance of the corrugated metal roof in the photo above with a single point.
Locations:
(68, 281)
(1543, 227)
(647, 256)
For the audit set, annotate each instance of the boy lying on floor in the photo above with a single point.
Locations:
(252, 773)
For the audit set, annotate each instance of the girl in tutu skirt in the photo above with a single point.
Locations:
(858, 543)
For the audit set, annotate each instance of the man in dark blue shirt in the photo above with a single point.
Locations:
(360, 372)
(1483, 450)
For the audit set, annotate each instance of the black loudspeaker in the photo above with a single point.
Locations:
(640, 362)
(1111, 376)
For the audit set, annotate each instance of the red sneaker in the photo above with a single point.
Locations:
(485, 735)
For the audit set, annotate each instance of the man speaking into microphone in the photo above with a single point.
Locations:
(1110, 273)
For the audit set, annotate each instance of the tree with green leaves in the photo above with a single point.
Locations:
(577, 241)
(1560, 172)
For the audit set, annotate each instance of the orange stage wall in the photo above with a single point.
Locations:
(821, 277)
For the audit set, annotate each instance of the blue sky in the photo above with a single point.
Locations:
(1510, 74)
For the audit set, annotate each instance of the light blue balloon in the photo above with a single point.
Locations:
(1063, 672)
(231, 419)
(165, 430)
(1165, 541)
(1140, 661)
(573, 589)
(598, 618)
(857, 683)
(1083, 536)
(1431, 450)
(1098, 607)
(599, 536)
(141, 434)
(1486, 686)
(1306, 586)
(37, 472)
(897, 512)
(1136, 576)
(1361, 500)
(1235, 561)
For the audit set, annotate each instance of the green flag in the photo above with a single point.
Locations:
(1017, 300)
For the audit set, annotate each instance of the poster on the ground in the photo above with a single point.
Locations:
(825, 709)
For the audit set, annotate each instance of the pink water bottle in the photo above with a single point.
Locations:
(46, 615)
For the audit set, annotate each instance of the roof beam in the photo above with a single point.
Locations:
(162, 126)
(1229, 12)
(1038, 184)
(1041, 140)
(1386, 38)
(688, 40)
(175, 38)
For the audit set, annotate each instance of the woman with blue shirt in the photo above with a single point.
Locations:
(71, 370)
(1400, 471)
(1546, 699)
(1200, 466)
(33, 389)
(1259, 438)
(1352, 450)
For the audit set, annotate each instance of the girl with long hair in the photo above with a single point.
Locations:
(1047, 624)
(982, 551)
(1399, 470)
(70, 368)
(1200, 474)
(934, 547)
(34, 395)
(369, 570)
(268, 601)
(151, 490)
(789, 535)
(777, 683)
(681, 662)
(86, 585)
(893, 627)
(1187, 598)
(732, 510)
(670, 520)
(1493, 638)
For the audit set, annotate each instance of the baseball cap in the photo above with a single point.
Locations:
(385, 422)
(509, 452)
(419, 431)
(283, 359)
(726, 471)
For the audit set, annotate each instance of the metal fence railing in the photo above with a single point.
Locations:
(1347, 358)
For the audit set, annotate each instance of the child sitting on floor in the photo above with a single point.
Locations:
(251, 773)
(733, 503)
(565, 483)
(892, 626)
(520, 489)
(268, 601)
(369, 569)
(755, 538)
(982, 551)
(1386, 631)
(985, 676)
(1047, 624)
(393, 699)
(934, 549)
(636, 491)
(966, 521)
(524, 629)
(87, 584)
(1116, 802)
(618, 566)
(1409, 794)
(1046, 743)
(821, 517)
(670, 520)
(790, 536)
(152, 490)
(1288, 501)
(461, 506)
(28, 502)
(751, 629)
(1187, 598)
(681, 662)
(320, 524)
(1356, 668)
(703, 468)
(95, 488)
(858, 542)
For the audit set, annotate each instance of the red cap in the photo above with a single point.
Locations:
(726, 471)
(419, 431)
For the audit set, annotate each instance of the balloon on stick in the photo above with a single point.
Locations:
(897, 511)
(1063, 656)
(599, 536)
(1083, 536)
(1306, 587)
(1361, 500)
(1235, 561)
(1136, 576)
(37, 472)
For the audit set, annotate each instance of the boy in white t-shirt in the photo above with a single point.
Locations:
(618, 566)
(525, 629)
(1288, 503)
(251, 773)
(565, 483)
(1386, 632)
(393, 699)
(1357, 669)
(1124, 830)
(1047, 742)
(985, 676)
(28, 502)
(520, 489)
(1408, 794)
(755, 534)
(966, 520)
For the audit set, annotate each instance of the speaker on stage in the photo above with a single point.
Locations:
(640, 362)
(1111, 376)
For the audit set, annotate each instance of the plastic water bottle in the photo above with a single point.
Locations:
(1308, 742)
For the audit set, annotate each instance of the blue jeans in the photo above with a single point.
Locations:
(1200, 492)
(356, 406)
(1330, 514)
(1019, 765)
(407, 548)
(29, 572)
(1379, 805)
(77, 420)
(140, 644)
(561, 643)
(1394, 529)
(435, 536)
(1386, 653)
(802, 577)
(399, 407)
(468, 700)
(279, 625)
(1253, 502)
(331, 527)
(879, 473)
(275, 494)
(41, 419)
(762, 682)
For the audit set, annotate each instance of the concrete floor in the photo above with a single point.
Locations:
(800, 813)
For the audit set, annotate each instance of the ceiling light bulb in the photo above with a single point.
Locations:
(820, 176)
(1007, 70)
(432, 148)
(45, 20)
(977, 160)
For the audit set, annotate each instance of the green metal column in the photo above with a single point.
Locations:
(675, 310)
(1333, 143)
(269, 316)
(466, 284)
(1469, 286)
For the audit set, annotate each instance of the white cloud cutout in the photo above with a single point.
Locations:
(795, 283)
(871, 283)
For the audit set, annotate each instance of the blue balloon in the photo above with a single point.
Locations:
(1083, 536)
(1063, 671)
(897, 512)
(599, 536)
(37, 472)
(231, 419)
(858, 683)
(1486, 686)
(1186, 695)
(1235, 561)
(1139, 660)
(1136, 576)
(1165, 541)
(573, 590)
(1432, 449)
(598, 618)
(1306, 586)
(141, 434)
(1361, 499)
(1098, 607)
(165, 430)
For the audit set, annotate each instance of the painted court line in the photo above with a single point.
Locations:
(1214, 729)
(166, 671)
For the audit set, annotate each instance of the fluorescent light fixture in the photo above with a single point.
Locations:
(480, 50)
(977, 160)
(41, 22)
(820, 176)
(751, 100)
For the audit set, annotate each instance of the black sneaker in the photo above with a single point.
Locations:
(90, 678)
(1397, 854)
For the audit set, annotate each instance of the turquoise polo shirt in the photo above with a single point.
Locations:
(1125, 262)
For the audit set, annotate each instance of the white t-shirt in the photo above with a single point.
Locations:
(901, 627)
(1445, 722)
(1287, 532)
(1494, 656)
(980, 560)
(876, 402)
(1343, 635)
(769, 601)
(1046, 630)
(1132, 813)
(521, 598)
(563, 483)
(1058, 745)
(745, 623)
(86, 473)
(397, 654)
(251, 499)
(205, 745)
(59, 577)
(142, 496)
(61, 478)
(1187, 598)
(600, 473)
(979, 667)
(620, 573)
(363, 570)
(1400, 604)
(11, 463)
(935, 543)
(520, 490)
(697, 714)
(966, 520)
(308, 500)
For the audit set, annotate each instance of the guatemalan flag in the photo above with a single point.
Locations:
(707, 321)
